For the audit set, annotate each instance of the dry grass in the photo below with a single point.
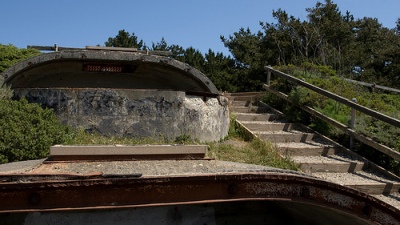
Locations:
(233, 148)
(254, 152)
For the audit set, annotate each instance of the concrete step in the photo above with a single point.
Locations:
(392, 199)
(243, 103)
(251, 109)
(244, 97)
(330, 164)
(256, 116)
(307, 148)
(284, 136)
(268, 126)
(368, 182)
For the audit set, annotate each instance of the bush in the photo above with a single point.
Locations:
(5, 92)
(27, 131)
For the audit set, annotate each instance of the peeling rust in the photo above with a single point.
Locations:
(34, 198)
(304, 192)
(124, 191)
(233, 189)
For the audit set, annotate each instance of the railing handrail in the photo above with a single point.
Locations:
(348, 130)
(363, 109)
(373, 86)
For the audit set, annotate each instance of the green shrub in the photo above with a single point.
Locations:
(27, 131)
(5, 92)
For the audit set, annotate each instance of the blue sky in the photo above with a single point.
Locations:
(77, 23)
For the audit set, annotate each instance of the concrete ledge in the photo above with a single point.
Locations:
(126, 152)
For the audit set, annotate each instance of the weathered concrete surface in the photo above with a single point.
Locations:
(123, 93)
(135, 113)
(107, 69)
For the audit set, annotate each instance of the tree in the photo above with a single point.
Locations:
(126, 40)
(221, 70)
(10, 55)
(378, 55)
(250, 58)
(160, 46)
(244, 46)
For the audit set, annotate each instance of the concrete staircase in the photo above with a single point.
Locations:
(314, 153)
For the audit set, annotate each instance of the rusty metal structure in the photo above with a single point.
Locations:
(313, 200)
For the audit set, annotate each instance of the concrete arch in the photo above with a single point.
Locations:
(107, 69)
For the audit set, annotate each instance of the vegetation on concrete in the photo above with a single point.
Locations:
(256, 151)
(81, 137)
(232, 148)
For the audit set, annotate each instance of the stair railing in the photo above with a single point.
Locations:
(352, 104)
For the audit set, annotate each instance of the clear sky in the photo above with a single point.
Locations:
(77, 23)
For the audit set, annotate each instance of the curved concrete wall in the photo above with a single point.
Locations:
(123, 93)
(107, 69)
(136, 113)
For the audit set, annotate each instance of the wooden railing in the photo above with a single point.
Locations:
(348, 130)
(374, 86)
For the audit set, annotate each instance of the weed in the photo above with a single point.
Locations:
(254, 152)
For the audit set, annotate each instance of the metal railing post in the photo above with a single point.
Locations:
(352, 122)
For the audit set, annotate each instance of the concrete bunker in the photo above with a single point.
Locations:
(123, 93)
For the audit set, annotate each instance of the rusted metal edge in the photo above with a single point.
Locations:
(51, 177)
(149, 191)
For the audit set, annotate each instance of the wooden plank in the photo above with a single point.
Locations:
(42, 48)
(268, 126)
(52, 48)
(330, 167)
(308, 151)
(366, 140)
(111, 48)
(285, 136)
(255, 117)
(363, 109)
(107, 150)
(57, 48)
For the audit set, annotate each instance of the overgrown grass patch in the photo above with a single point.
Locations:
(254, 152)
(80, 137)
(232, 148)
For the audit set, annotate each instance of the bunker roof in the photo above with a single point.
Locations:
(107, 69)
